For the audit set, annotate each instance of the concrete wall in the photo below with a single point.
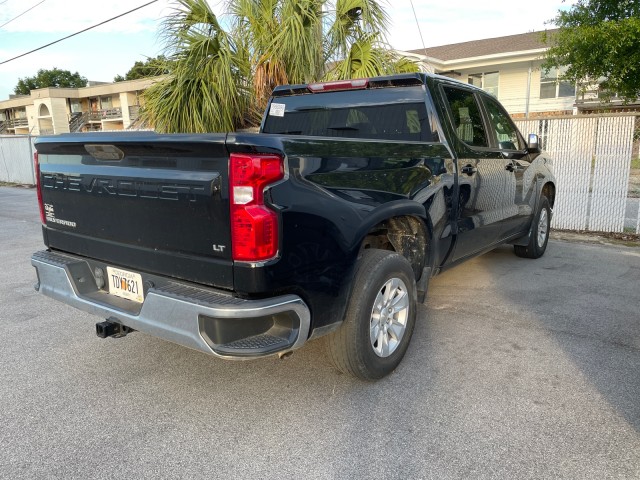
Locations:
(115, 100)
(59, 115)
(127, 99)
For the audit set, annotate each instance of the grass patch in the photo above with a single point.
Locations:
(635, 163)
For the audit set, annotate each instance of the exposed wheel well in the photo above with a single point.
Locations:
(549, 191)
(405, 235)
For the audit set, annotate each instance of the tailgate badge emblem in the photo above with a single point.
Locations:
(51, 217)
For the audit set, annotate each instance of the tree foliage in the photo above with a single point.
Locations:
(49, 78)
(151, 67)
(206, 90)
(282, 40)
(599, 41)
(220, 80)
(357, 44)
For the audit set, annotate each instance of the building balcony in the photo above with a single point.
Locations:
(17, 123)
(111, 114)
(104, 114)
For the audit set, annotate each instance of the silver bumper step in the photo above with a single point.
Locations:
(201, 318)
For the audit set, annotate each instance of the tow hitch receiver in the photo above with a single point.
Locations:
(109, 328)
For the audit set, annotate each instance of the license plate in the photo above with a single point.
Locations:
(125, 284)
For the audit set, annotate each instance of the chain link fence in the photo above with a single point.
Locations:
(16, 159)
(592, 163)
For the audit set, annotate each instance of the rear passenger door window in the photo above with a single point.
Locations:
(466, 116)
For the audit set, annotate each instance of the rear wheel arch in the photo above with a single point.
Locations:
(407, 235)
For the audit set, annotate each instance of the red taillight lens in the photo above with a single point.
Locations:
(36, 169)
(357, 84)
(254, 226)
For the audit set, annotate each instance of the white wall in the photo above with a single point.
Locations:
(16, 159)
(512, 88)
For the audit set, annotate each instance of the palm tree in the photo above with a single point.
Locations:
(220, 81)
(357, 43)
(283, 39)
(206, 89)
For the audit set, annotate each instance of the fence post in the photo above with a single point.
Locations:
(33, 168)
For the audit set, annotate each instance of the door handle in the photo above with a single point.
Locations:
(469, 169)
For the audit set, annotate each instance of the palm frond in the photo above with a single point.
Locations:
(206, 90)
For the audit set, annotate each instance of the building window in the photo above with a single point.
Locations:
(466, 116)
(75, 105)
(105, 103)
(551, 87)
(486, 81)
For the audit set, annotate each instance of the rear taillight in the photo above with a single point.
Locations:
(357, 84)
(254, 226)
(36, 169)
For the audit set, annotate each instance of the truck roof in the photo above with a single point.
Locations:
(398, 80)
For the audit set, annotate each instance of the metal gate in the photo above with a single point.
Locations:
(592, 159)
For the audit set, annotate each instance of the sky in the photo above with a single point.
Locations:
(111, 49)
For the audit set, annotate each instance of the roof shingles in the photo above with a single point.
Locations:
(487, 46)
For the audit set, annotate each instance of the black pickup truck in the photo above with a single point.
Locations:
(329, 222)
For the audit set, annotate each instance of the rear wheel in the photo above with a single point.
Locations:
(539, 233)
(380, 317)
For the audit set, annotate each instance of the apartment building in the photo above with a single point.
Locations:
(99, 106)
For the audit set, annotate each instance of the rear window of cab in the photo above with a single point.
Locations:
(398, 113)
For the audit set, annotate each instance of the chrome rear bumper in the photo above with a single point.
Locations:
(201, 318)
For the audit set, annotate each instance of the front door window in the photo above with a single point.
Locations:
(502, 127)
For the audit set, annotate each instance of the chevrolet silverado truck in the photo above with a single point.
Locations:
(328, 223)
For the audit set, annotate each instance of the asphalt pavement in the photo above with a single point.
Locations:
(517, 369)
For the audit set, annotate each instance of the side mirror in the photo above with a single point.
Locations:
(533, 145)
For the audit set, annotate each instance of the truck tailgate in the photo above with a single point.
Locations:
(148, 202)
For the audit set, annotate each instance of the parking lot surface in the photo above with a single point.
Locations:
(517, 369)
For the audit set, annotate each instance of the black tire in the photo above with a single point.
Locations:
(351, 348)
(541, 225)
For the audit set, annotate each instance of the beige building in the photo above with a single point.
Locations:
(510, 68)
(47, 111)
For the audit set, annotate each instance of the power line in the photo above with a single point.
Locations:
(77, 33)
(16, 17)
(418, 24)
